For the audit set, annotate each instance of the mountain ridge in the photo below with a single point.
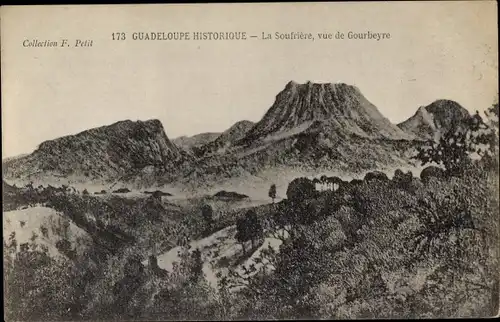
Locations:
(105, 152)
(311, 125)
(196, 140)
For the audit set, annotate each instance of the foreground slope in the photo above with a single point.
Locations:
(44, 226)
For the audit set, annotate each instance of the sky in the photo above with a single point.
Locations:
(437, 50)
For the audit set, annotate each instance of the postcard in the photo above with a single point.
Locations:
(250, 161)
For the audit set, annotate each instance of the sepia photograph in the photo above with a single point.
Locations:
(250, 161)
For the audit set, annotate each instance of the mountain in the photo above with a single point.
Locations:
(341, 106)
(323, 125)
(107, 152)
(310, 128)
(431, 121)
(189, 142)
(226, 139)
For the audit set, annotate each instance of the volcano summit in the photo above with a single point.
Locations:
(342, 106)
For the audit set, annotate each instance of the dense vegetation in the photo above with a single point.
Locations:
(380, 247)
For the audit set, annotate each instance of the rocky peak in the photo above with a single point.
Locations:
(435, 119)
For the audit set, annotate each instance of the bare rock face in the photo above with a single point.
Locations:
(106, 152)
(432, 121)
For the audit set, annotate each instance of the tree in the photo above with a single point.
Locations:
(491, 160)
(454, 148)
(272, 192)
(242, 232)
(248, 228)
(196, 269)
(300, 189)
(254, 226)
(207, 213)
(376, 175)
(125, 288)
(492, 115)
